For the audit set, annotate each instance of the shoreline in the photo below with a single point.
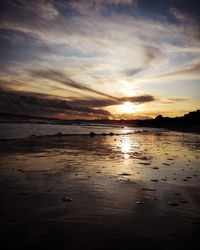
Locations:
(94, 134)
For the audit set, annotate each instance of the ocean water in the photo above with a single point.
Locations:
(25, 130)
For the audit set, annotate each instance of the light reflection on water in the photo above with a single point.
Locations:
(125, 146)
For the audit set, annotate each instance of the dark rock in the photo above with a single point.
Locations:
(148, 189)
(154, 180)
(24, 194)
(173, 203)
(196, 223)
(58, 134)
(92, 134)
(32, 136)
(156, 168)
(145, 163)
(183, 201)
(66, 199)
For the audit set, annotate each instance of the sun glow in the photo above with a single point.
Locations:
(127, 107)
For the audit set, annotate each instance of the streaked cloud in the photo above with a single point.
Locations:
(59, 76)
(191, 71)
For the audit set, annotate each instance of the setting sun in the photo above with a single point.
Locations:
(127, 107)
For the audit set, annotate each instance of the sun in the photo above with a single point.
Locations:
(127, 107)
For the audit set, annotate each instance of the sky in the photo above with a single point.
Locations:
(99, 59)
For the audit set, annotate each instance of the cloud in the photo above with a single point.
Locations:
(189, 21)
(139, 99)
(42, 105)
(91, 6)
(151, 56)
(59, 76)
(110, 102)
(178, 99)
(174, 100)
(41, 9)
(192, 71)
(180, 16)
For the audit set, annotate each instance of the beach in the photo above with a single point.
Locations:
(120, 191)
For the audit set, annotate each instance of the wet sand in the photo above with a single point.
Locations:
(138, 191)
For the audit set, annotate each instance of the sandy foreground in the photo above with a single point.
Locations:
(139, 191)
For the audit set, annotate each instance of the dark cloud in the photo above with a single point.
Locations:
(139, 99)
(96, 103)
(42, 105)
